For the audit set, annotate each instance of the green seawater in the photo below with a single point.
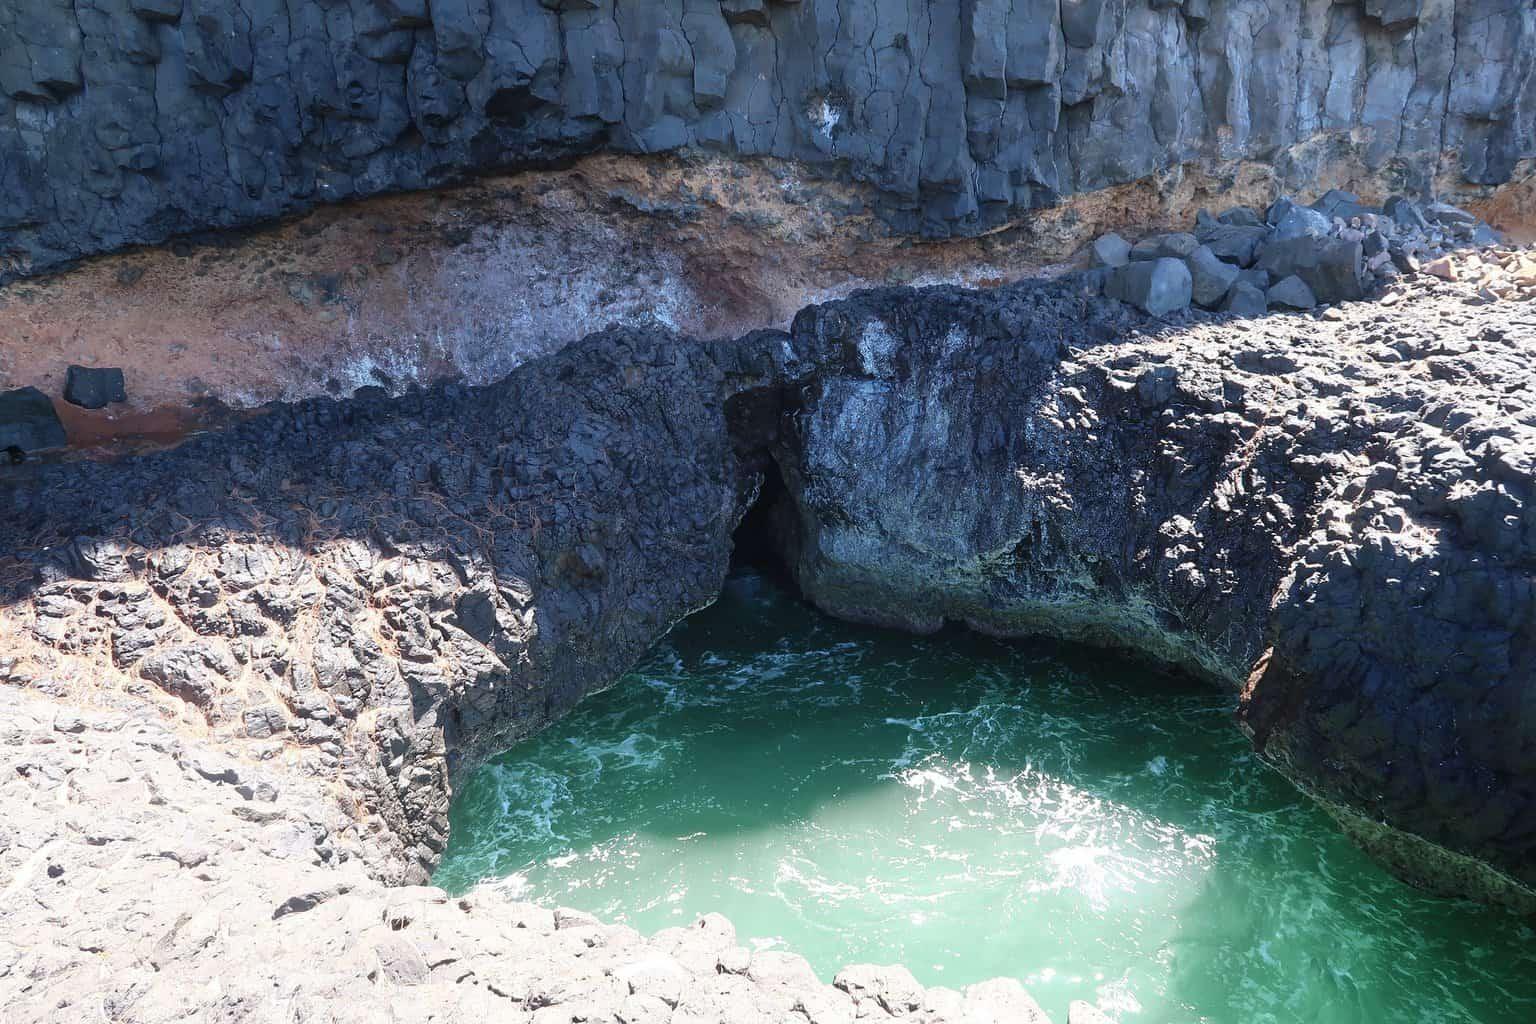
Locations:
(971, 809)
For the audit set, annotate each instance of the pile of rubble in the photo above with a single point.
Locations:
(1297, 257)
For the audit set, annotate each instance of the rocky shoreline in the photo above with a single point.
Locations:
(315, 621)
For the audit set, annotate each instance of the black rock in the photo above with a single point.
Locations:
(94, 388)
(28, 421)
(1241, 217)
(1245, 299)
(1331, 267)
(1405, 213)
(1109, 251)
(1291, 293)
(1210, 277)
(1159, 287)
(1235, 243)
(1177, 245)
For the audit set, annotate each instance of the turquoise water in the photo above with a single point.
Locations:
(971, 809)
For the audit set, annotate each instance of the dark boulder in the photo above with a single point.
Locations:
(1159, 287)
(28, 421)
(1331, 267)
(1210, 278)
(94, 388)
(1241, 217)
(1405, 213)
(1234, 243)
(1245, 299)
(1293, 221)
(1291, 293)
(1177, 245)
(1109, 251)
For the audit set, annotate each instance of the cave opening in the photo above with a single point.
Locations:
(760, 542)
(764, 541)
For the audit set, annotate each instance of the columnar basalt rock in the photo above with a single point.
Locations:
(129, 121)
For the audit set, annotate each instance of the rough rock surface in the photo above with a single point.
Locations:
(129, 121)
(148, 877)
(1335, 516)
(391, 586)
(360, 599)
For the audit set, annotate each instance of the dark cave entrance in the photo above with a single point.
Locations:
(758, 540)
(765, 539)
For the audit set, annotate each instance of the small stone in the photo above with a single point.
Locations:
(565, 918)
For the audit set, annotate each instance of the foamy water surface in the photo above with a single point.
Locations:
(971, 809)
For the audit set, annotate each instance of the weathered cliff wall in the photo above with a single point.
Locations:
(129, 121)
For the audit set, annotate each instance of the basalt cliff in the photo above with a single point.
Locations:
(129, 121)
(568, 306)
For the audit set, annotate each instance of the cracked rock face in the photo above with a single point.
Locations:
(129, 121)
(1333, 517)
(355, 601)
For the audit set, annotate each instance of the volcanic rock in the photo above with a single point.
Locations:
(1159, 286)
(1110, 251)
(1291, 293)
(28, 421)
(1246, 299)
(1210, 278)
(94, 388)
(142, 121)
(1332, 268)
